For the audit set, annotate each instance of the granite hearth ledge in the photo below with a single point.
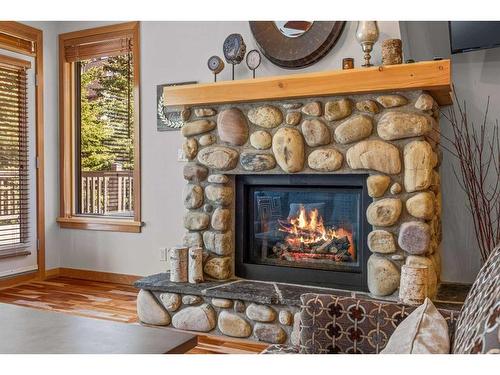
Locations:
(272, 293)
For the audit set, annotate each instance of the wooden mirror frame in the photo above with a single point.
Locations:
(298, 52)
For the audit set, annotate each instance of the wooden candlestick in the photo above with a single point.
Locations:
(179, 264)
(195, 272)
(413, 285)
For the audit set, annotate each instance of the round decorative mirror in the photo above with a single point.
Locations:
(293, 29)
(296, 44)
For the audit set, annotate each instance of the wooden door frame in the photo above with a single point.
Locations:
(35, 36)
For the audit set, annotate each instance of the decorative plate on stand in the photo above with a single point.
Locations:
(296, 44)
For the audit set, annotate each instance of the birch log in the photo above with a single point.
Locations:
(195, 273)
(413, 286)
(179, 264)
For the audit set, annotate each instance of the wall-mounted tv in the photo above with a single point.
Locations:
(472, 35)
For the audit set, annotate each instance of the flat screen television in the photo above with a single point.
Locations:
(473, 35)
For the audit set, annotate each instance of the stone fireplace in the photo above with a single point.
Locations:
(329, 191)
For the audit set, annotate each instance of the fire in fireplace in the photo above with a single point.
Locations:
(308, 239)
(302, 228)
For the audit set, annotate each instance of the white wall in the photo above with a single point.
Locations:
(170, 52)
(476, 75)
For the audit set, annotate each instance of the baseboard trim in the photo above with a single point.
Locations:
(10, 281)
(109, 277)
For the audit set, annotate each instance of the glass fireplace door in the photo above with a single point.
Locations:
(304, 227)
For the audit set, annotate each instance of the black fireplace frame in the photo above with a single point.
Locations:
(351, 279)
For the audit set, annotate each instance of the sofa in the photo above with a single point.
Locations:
(334, 324)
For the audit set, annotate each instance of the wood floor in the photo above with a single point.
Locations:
(105, 301)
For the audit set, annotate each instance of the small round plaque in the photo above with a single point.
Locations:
(215, 64)
(253, 59)
(234, 49)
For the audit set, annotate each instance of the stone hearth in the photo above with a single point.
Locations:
(391, 137)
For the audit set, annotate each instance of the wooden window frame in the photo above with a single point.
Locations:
(68, 218)
(17, 38)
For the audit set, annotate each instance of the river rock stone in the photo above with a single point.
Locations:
(204, 112)
(286, 317)
(221, 219)
(171, 301)
(218, 243)
(196, 318)
(195, 173)
(207, 140)
(376, 155)
(222, 303)
(261, 140)
(197, 127)
(338, 109)
(391, 101)
(269, 333)
(218, 179)
(189, 299)
(218, 268)
(354, 129)
(421, 205)
(315, 132)
(239, 306)
(381, 241)
(369, 106)
(425, 102)
(288, 149)
(419, 160)
(377, 185)
(398, 125)
(192, 239)
(325, 160)
(219, 194)
(293, 118)
(260, 313)
(185, 114)
(232, 127)
(396, 188)
(150, 311)
(233, 325)
(266, 116)
(208, 208)
(196, 220)
(190, 148)
(432, 279)
(312, 109)
(383, 276)
(414, 237)
(251, 161)
(192, 196)
(384, 212)
(218, 157)
(295, 105)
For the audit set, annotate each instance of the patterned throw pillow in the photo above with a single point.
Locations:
(332, 324)
(478, 326)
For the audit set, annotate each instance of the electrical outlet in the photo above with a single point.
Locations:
(181, 156)
(163, 254)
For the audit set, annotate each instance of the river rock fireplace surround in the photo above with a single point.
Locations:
(322, 179)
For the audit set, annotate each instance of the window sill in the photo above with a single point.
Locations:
(91, 223)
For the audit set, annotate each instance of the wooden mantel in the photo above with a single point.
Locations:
(434, 76)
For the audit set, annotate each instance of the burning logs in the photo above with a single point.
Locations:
(179, 264)
(336, 249)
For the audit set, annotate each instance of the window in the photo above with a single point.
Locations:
(100, 176)
(14, 182)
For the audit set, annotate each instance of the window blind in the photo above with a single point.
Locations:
(14, 195)
(86, 48)
(16, 44)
